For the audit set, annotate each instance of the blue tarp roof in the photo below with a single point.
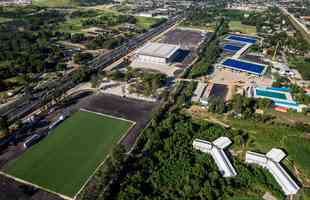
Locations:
(233, 48)
(243, 39)
(244, 66)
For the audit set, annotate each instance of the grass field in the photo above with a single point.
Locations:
(54, 3)
(238, 27)
(146, 22)
(4, 19)
(207, 27)
(65, 159)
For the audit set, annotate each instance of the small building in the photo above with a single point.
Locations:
(15, 2)
(271, 161)
(283, 69)
(160, 53)
(199, 91)
(216, 150)
(204, 92)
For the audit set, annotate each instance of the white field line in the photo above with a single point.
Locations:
(129, 152)
(36, 186)
(105, 115)
(118, 142)
(89, 178)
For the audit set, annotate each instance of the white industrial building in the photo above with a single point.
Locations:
(271, 161)
(199, 91)
(15, 2)
(157, 53)
(216, 150)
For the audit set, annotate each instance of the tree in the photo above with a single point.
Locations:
(4, 127)
(118, 155)
(95, 81)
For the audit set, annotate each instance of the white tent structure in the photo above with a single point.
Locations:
(271, 161)
(216, 150)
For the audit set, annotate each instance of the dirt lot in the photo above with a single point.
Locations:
(231, 77)
(134, 110)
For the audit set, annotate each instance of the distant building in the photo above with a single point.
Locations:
(216, 150)
(270, 161)
(15, 2)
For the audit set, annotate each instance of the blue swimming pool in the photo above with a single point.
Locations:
(232, 48)
(292, 103)
(284, 88)
(244, 66)
(242, 39)
(270, 94)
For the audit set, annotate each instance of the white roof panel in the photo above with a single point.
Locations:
(202, 145)
(161, 50)
(275, 154)
(223, 163)
(222, 142)
(256, 158)
(271, 162)
(199, 91)
(287, 184)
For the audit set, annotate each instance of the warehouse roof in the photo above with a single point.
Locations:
(271, 162)
(161, 50)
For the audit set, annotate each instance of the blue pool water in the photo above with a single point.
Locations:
(284, 89)
(229, 47)
(244, 66)
(270, 94)
(292, 103)
(242, 39)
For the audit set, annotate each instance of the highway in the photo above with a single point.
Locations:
(25, 105)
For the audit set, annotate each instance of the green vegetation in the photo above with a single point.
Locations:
(269, 130)
(164, 164)
(142, 81)
(172, 169)
(4, 127)
(147, 22)
(68, 3)
(207, 58)
(301, 64)
(28, 48)
(67, 157)
(54, 3)
(3, 19)
(237, 26)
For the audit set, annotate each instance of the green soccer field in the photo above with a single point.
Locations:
(64, 160)
(238, 26)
